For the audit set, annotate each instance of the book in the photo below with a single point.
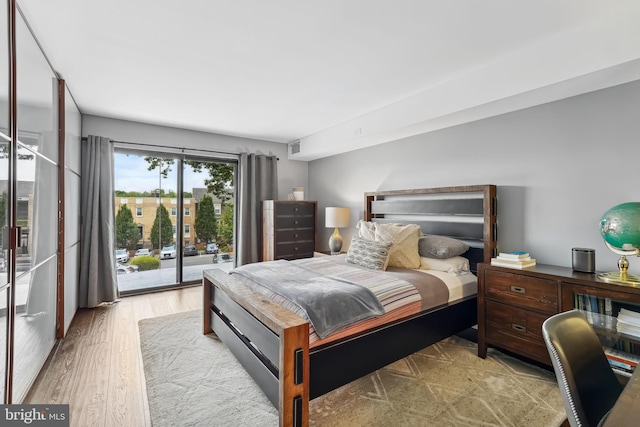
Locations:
(516, 255)
(513, 263)
(629, 359)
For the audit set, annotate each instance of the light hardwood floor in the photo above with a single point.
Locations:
(97, 369)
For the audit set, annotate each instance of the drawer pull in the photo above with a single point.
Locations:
(295, 209)
(295, 234)
(295, 222)
(518, 289)
(518, 328)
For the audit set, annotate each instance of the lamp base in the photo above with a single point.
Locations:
(620, 278)
(335, 242)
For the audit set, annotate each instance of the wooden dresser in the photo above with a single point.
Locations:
(288, 229)
(513, 304)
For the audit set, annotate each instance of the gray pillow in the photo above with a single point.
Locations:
(369, 254)
(440, 247)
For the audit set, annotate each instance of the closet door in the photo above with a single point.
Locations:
(5, 199)
(36, 213)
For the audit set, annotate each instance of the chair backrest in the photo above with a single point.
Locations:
(587, 384)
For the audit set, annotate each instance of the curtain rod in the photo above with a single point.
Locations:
(84, 139)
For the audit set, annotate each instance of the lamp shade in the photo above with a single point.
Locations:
(336, 217)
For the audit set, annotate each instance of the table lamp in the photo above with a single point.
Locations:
(620, 229)
(336, 218)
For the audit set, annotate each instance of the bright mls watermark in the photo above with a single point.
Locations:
(34, 415)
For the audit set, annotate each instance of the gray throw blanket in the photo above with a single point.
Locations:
(330, 303)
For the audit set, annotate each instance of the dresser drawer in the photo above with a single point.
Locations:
(516, 329)
(523, 291)
(290, 209)
(295, 235)
(294, 250)
(284, 222)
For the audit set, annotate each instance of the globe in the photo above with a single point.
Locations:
(620, 226)
(620, 229)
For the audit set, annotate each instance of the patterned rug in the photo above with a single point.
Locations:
(193, 380)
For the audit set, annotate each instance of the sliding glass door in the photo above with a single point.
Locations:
(174, 218)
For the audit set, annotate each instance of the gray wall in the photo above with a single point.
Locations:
(558, 168)
(291, 173)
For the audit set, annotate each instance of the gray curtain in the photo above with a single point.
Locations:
(258, 181)
(98, 282)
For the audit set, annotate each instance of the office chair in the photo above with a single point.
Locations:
(588, 386)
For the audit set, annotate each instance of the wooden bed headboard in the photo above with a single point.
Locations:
(466, 213)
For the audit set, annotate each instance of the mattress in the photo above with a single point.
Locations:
(402, 292)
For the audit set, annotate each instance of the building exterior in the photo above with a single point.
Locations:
(144, 210)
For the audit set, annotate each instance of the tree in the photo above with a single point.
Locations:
(127, 234)
(162, 229)
(225, 229)
(206, 223)
(220, 174)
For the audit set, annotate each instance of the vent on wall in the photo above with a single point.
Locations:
(295, 147)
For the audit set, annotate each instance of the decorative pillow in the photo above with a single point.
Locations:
(404, 252)
(366, 230)
(455, 265)
(369, 254)
(441, 247)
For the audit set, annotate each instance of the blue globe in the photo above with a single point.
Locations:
(620, 226)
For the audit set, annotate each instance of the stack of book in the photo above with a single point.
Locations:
(628, 322)
(516, 259)
(621, 362)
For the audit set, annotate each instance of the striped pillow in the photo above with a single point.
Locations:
(369, 254)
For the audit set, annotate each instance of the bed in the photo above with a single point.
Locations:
(277, 346)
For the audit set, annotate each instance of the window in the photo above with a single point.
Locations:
(217, 209)
(187, 212)
(124, 201)
(138, 212)
(187, 230)
(174, 211)
(174, 201)
(187, 201)
(139, 201)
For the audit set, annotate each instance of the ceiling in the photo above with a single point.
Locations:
(335, 75)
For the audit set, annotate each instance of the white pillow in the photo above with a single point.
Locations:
(366, 230)
(455, 265)
(404, 251)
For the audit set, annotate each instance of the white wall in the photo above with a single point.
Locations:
(291, 173)
(558, 168)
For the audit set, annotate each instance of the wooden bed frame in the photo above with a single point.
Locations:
(272, 343)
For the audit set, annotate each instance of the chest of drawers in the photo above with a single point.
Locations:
(288, 229)
(513, 304)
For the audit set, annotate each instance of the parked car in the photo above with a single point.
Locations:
(168, 252)
(142, 252)
(211, 248)
(125, 269)
(190, 250)
(122, 255)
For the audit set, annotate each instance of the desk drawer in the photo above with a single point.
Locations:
(516, 329)
(523, 291)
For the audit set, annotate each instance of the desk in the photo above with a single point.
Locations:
(625, 411)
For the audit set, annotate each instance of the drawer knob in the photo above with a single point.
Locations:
(295, 234)
(295, 209)
(518, 289)
(295, 222)
(518, 328)
(295, 249)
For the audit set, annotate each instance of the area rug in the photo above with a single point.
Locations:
(194, 380)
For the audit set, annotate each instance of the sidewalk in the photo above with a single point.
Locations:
(165, 276)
